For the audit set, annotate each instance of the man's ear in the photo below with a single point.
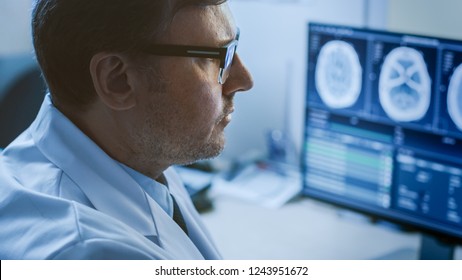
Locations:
(111, 79)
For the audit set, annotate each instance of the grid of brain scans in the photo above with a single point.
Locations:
(392, 78)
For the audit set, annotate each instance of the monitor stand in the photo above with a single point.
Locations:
(433, 248)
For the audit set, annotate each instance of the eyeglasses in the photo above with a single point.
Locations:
(224, 54)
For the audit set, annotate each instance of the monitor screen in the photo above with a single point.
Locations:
(383, 127)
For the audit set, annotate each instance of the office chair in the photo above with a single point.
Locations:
(22, 90)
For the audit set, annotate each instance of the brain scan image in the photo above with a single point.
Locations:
(454, 98)
(405, 85)
(338, 75)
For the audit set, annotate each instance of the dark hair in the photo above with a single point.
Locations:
(67, 33)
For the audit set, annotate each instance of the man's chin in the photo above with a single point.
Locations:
(209, 151)
(212, 151)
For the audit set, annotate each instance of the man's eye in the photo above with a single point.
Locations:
(207, 61)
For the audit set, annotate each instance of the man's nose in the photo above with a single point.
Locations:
(239, 78)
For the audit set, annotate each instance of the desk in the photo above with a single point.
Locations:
(302, 229)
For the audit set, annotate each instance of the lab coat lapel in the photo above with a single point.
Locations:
(171, 237)
(196, 232)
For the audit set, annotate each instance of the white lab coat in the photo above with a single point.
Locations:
(63, 197)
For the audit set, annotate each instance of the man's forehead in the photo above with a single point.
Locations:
(203, 25)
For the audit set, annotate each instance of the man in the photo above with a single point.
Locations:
(136, 86)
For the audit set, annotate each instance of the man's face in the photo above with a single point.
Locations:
(183, 119)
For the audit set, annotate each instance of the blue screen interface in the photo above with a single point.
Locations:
(383, 127)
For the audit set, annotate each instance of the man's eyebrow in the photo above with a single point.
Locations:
(231, 36)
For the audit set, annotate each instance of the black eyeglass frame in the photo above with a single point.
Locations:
(225, 54)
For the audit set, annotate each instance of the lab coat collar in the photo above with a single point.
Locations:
(109, 188)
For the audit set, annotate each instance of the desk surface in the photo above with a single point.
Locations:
(303, 229)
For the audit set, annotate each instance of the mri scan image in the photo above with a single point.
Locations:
(455, 97)
(405, 85)
(338, 75)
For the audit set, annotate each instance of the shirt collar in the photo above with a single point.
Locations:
(157, 191)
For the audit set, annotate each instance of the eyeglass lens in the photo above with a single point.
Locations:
(228, 62)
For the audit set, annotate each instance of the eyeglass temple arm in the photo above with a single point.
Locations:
(187, 51)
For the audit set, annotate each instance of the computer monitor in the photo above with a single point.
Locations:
(383, 127)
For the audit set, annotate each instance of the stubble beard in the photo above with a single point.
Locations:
(157, 145)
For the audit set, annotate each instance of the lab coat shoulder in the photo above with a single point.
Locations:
(39, 226)
(26, 163)
(102, 237)
(29, 167)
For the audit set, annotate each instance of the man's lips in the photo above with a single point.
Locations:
(227, 115)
